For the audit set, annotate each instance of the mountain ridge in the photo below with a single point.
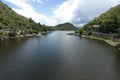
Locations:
(65, 26)
(108, 22)
(13, 24)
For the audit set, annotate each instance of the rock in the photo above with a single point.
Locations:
(39, 34)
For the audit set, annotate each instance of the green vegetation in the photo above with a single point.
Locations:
(14, 24)
(108, 22)
(80, 31)
(2, 33)
(65, 26)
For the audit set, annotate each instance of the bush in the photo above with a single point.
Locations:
(81, 31)
(2, 33)
(89, 32)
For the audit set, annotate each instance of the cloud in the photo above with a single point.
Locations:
(39, 1)
(80, 12)
(77, 12)
(27, 10)
(65, 12)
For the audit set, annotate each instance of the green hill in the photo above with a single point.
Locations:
(12, 24)
(65, 26)
(108, 22)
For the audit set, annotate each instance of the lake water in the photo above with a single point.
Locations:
(58, 56)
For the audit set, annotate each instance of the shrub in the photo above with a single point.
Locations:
(2, 33)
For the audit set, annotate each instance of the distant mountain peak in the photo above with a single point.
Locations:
(65, 26)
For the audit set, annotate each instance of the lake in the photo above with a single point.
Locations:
(58, 56)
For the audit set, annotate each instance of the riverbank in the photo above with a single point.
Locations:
(110, 42)
(4, 37)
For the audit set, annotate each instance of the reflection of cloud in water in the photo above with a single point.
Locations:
(58, 56)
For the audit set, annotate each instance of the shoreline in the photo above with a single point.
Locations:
(6, 37)
(110, 42)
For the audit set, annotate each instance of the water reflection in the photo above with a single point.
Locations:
(58, 56)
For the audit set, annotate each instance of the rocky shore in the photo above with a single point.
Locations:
(110, 42)
(4, 37)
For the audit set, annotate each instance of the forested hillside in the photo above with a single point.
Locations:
(12, 24)
(65, 26)
(108, 22)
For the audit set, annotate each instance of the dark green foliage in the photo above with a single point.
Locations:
(81, 31)
(65, 26)
(89, 32)
(108, 27)
(14, 23)
(109, 21)
(1, 33)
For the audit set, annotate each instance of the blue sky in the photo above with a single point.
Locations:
(43, 7)
(53, 12)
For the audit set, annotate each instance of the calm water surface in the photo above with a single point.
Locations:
(58, 56)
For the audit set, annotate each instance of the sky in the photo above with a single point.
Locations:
(53, 12)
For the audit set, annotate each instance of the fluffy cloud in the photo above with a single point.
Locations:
(77, 12)
(65, 12)
(39, 1)
(80, 12)
(27, 10)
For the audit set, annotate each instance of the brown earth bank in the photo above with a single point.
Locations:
(111, 39)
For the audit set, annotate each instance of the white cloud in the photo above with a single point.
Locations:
(27, 10)
(65, 12)
(77, 12)
(81, 11)
(39, 1)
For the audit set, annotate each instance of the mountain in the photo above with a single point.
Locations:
(12, 24)
(108, 22)
(65, 26)
(9, 18)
